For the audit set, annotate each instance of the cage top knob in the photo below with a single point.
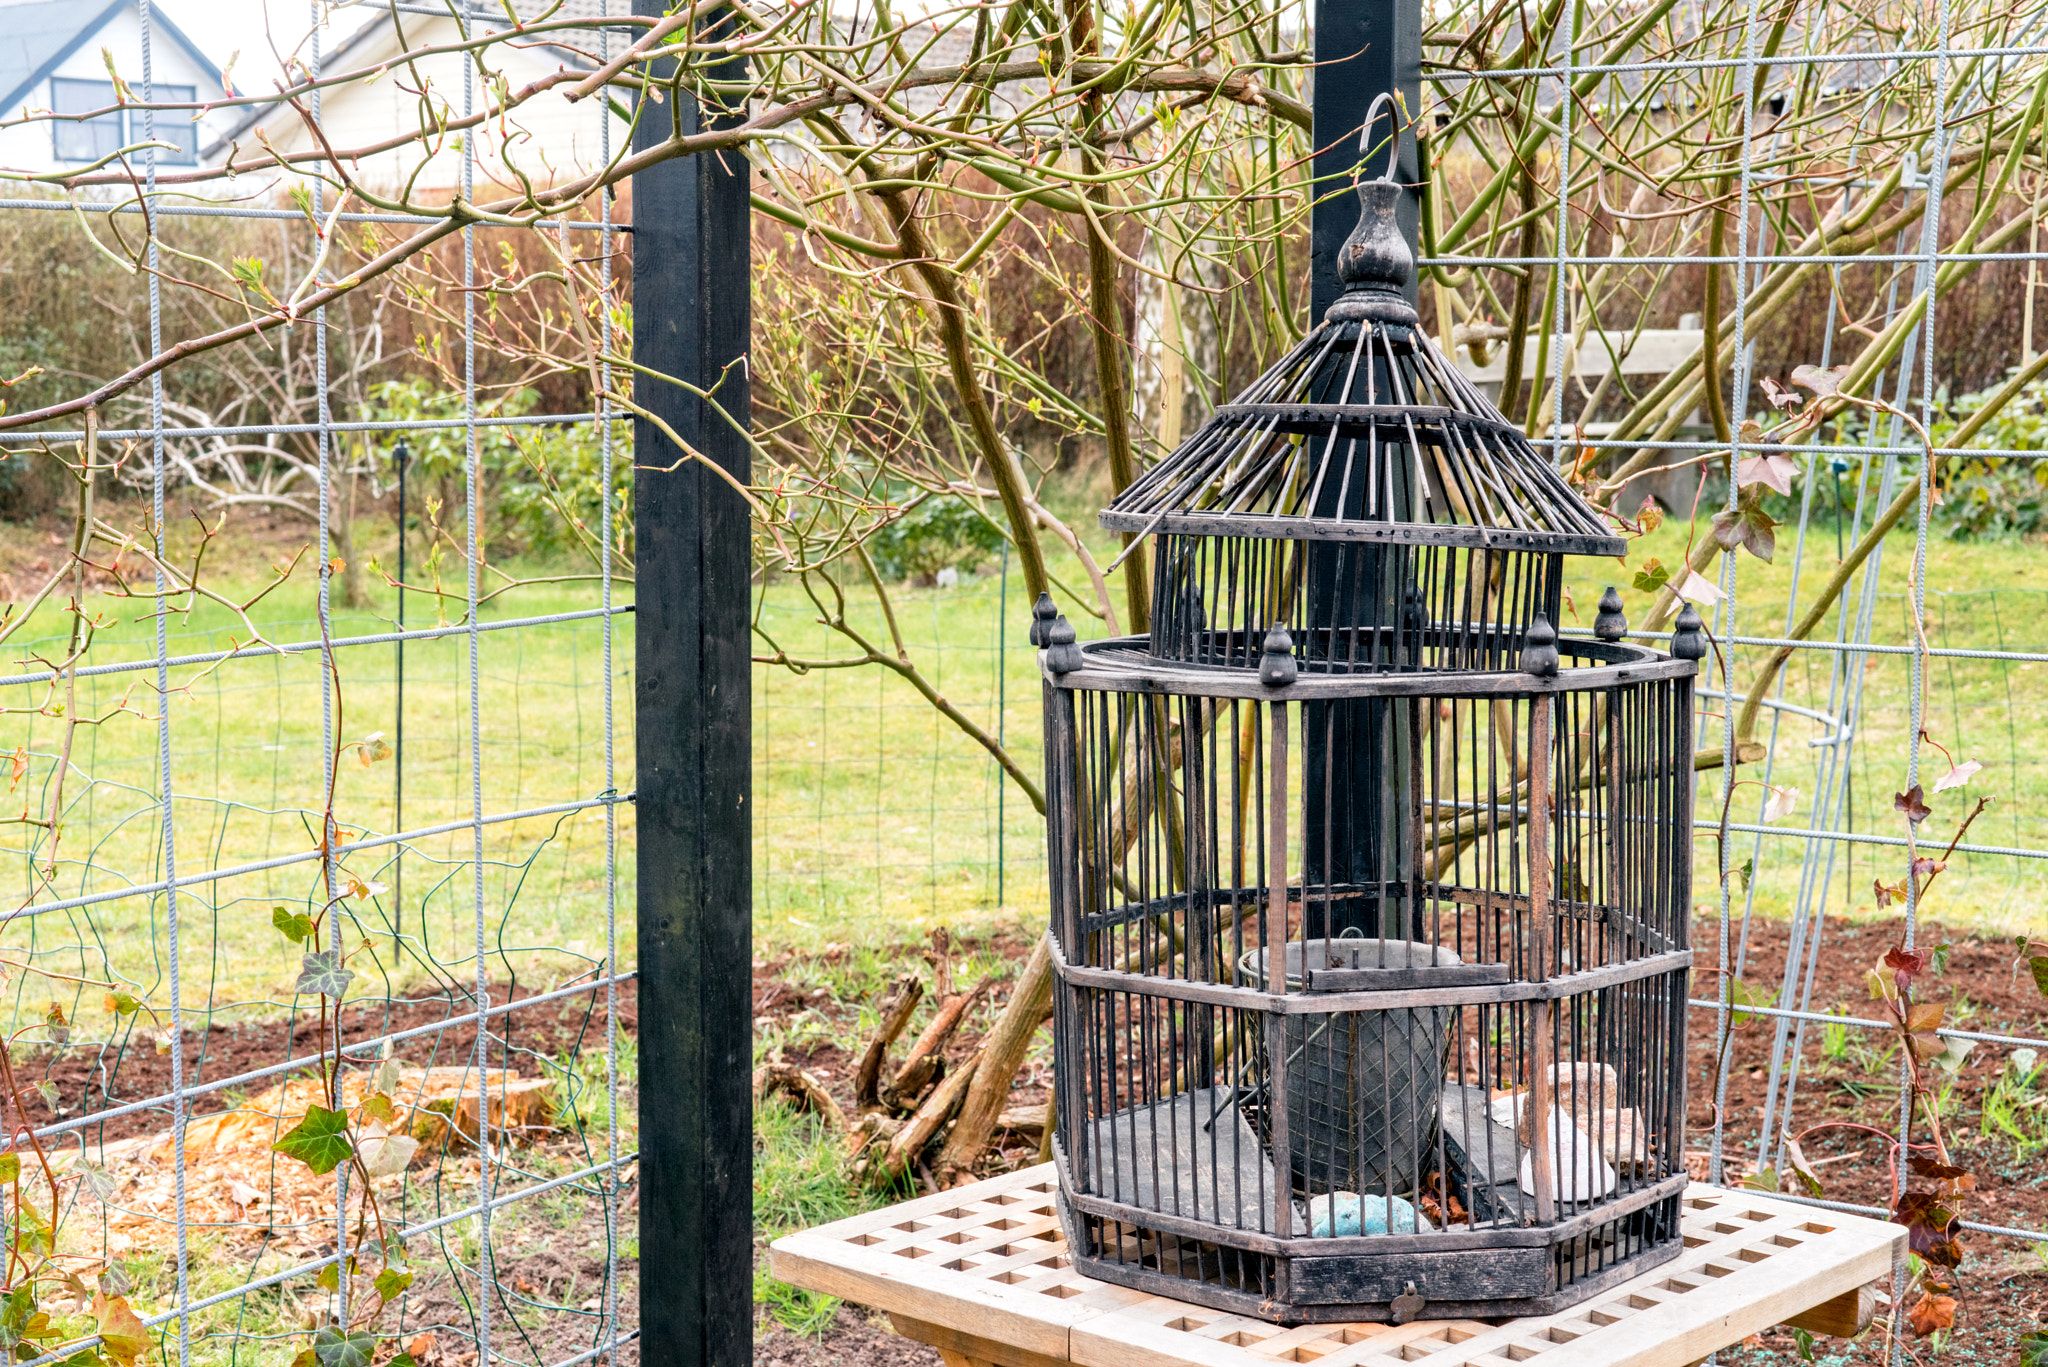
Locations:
(1375, 263)
(1062, 656)
(1610, 625)
(1277, 668)
(1689, 641)
(1042, 613)
(1539, 648)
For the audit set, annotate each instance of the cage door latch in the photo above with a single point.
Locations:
(1408, 1305)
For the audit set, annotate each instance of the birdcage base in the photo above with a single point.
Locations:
(1508, 1271)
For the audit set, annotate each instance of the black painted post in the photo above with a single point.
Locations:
(692, 315)
(1363, 47)
(1357, 752)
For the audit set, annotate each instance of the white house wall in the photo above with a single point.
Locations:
(32, 146)
(547, 138)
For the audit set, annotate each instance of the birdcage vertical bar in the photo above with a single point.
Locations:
(694, 687)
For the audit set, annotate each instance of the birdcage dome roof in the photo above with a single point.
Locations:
(1365, 431)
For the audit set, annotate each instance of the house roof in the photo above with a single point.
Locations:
(35, 39)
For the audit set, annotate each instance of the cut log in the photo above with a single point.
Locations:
(801, 1086)
(922, 1127)
(1846, 1316)
(1002, 1057)
(928, 1055)
(896, 1011)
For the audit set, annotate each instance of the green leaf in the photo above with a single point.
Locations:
(97, 1181)
(1795, 1158)
(123, 1003)
(320, 1141)
(329, 1278)
(1764, 1179)
(391, 1283)
(1740, 995)
(2034, 1348)
(296, 926)
(1652, 576)
(10, 1166)
(47, 1090)
(115, 1281)
(1805, 1342)
(336, 1348)
(403, 1360)
(1746, 872)
(323, 973)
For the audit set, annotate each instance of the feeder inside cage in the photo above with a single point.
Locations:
(1354, 748)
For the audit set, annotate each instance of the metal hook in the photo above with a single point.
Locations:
(1372, 116)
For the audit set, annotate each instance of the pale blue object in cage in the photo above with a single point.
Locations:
(1346, 1212)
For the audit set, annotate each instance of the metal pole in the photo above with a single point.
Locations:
(692, 736)
(401, 455)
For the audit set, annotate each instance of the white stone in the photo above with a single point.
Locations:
(1578, 1172)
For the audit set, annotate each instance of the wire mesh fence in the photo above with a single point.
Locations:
(320, 1044)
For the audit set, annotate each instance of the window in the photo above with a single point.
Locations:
(92, 139)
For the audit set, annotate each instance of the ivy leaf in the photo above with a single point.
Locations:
(391, 1283)
(386, 1080)
(372, 748)
(10, 1166)
(1887, 894)
(60, 1028)
(385, 1155)
(1905, 964)
(1804, 1342)
(1741, 994)
(1925, 1016)
(1931, 1314)
(47, 1090)
(334, 1347)
(2034, 1348)
(320, 1141)
(323, 973)
(1796, 1160)
(1649, 517)
(1782, 399)
(1958, 776)
(1950, 1179)
(1746, 872)
(96, 1182)
(1767, 468)
(1820, 381)
(379, 1105)
(296, 926)
(1781, 804)
(20, 1320)
(115, 1281)
(329, 1278)
(1699, 590)
(1913, 803)
(122, 1332)
(1652, 576)
(1763, 1179)
(1930, 1227)
(1745, 527)
(122, 1003)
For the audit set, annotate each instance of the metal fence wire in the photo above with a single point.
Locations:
(242, 990)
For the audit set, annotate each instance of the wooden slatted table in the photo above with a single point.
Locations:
(981, 1273)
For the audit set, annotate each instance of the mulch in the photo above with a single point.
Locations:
(98, 1076)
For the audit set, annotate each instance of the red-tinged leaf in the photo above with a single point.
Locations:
(1913, 803)
(1768, 469)
(1650, 516)
(1782, 399)
(1958, 776)
(1923, 866)
(1926, 1047)
(1931, 1314)
(1883, 894)
(1925, 1016)
(1934, 1168)
(1818, 380)
(1930, 1227)
(1905, 964)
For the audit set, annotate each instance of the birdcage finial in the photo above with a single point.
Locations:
(1689, 639)
(1375, 263)
(1062, 656)
(1042, 613)
(1610, 625)
(1539, 648)
(1277, 667)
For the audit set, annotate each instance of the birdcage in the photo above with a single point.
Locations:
(1368, 890)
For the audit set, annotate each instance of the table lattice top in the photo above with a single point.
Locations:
(989, 1260)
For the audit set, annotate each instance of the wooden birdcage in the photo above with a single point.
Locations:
(1369, 892)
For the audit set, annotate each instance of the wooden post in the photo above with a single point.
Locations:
(1363, 48)
(692, 312)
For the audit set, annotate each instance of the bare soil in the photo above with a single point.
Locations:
(91, 1078)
